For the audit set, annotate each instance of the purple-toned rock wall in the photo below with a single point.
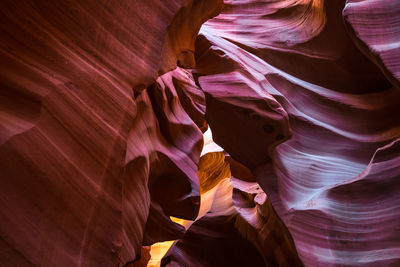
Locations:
(103, 110)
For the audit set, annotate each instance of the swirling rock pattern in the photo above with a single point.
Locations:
(333, 181)
(236, 226)
(86, 143)
(375, 27)
(101, 132)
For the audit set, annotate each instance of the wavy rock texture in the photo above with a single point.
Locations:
(375, 28)
(236, 226)
(333, 182)
(83, 157)
(101, 132)
(165, 159)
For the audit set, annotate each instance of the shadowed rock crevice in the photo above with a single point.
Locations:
(338, 100)
(103, 109)
(79, 136)
(235, 216)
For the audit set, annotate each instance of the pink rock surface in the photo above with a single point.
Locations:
(83, 145)
(101, 132)
(236, 226)
(375, 28)
(342, 111)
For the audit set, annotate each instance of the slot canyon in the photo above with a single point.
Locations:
(205, 133)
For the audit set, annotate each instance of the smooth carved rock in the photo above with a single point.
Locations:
(340, 106)
(313, 45)
(175, 147)
(260, 224)
(213, 241)
(101, 133)
(374, 25)
(244, 110)
(179, 43)
(168, 144)
(78, 146)
(236, 226)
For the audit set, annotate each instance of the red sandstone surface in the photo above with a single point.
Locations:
(103, 110)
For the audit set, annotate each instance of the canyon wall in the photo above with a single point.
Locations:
(91, 138)
(331, 69)
(103, 110)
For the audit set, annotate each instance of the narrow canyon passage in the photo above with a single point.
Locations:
(106, 151)
(236, 224)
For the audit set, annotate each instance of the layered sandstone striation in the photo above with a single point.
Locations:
(103, 110)
(329, 68)
(236, 226)
(90, 138)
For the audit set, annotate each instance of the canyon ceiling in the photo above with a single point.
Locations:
(105, 119)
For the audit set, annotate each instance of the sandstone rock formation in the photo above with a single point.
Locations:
(103, 109)
(86, 141)
(237, 225)
(336, 80)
